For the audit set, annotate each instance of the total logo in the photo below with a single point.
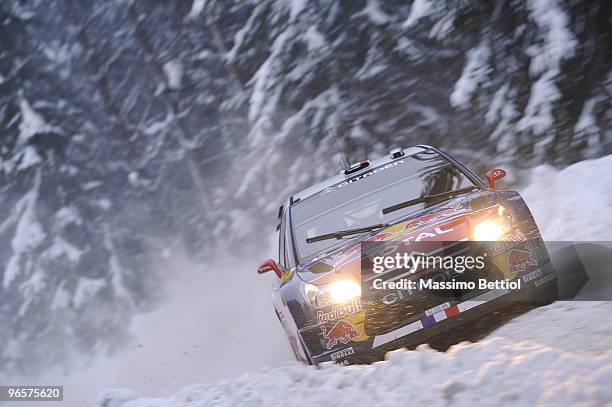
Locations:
(340, 311)
(392, 247)
(427, 235)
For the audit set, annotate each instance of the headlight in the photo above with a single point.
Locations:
(334, 293)
(492, 229)
(488, 231)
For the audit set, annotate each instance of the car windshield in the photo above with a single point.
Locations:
(359, 201)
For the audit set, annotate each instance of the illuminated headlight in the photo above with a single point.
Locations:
(488, 231)
(491, 229)
(334, 293)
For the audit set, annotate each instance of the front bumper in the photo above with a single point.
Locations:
(443, 325)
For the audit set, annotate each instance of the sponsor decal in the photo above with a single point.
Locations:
(342, 353)
(545, 279)
(371, 172)
(508, 243)
(425, 235)
(425, 219)
(431, 320)
(532, 276)
(513, 262)
(287, 275)
(339, 311)
(438, 308)
(518, 261)
(357, 320)
(380, 238)
(342, 332)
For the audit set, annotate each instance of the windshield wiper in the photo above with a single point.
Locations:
(342, 233)
(415, 201)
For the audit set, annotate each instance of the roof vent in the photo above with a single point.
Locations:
(356, 167)
(396, 153)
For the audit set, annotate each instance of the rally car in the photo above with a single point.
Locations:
(414, 195)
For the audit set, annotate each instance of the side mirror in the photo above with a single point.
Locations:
(269, 265)
(495, 175)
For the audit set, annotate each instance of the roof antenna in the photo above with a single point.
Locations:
(343, 157)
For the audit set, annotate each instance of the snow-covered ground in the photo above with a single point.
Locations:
(229, 340)
(493, 372)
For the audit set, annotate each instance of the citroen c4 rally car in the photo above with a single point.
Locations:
(417, 194)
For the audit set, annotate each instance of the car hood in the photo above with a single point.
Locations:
(447, 221)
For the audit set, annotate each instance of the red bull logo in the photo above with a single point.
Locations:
(519, 260)
(340, 311)
(343, 332)
(507, 243)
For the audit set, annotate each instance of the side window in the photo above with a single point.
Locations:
(282, 254)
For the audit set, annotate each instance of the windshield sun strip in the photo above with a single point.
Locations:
(355, 199)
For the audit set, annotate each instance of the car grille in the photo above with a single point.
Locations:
(393, 309)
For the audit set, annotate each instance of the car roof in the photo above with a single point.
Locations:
(336, 179)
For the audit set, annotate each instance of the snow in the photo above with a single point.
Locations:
(264, 99)
(59, 53)
(493, 372)
(31, 122)
(373, 12)
(68, 215)
(555, 355)
(558, 41)
(441, 28)
(474, 73)
(372, 65)
(497, 104)
(296, 7)
(197, 7)
(538, 113)
(550, 324)
(116, 271)
(91, 185)
(86, 289)
(29, 158)
(61, 248)
(314, 39)
(568, 202)
(158, 126)
(174, 73)
(587, 124)
(419, 9)
(556, 44)
(103, 203)
(28, 233)
(61, 299)
(586, 117)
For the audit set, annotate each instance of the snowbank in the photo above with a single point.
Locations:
(574, 203)
(555, 355)
(492, 372)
